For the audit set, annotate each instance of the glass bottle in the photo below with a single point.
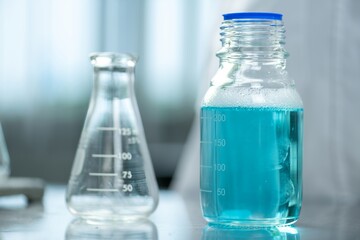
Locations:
(251, 128)
(112, 176)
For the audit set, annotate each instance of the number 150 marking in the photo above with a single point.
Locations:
(220, 142)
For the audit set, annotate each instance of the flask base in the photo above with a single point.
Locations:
(107, 217)
(111, 219)
(101, 209)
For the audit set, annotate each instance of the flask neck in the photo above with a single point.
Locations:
(113, 75)
(113, 83)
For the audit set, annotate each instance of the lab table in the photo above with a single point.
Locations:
(175, 218)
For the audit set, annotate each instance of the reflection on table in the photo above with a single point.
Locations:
(217, 232)
(175, 219)
(80, 229)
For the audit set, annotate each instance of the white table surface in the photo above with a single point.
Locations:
(175, 218)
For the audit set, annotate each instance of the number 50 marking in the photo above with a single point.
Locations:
(220, 192)
(127, 188)
(126, 156)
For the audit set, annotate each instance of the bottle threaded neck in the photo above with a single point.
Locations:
(251, 38)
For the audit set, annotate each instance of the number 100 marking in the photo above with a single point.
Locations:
(126, 156)
(220, 167)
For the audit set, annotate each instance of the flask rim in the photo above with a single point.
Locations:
(253, 15)
(112, 59)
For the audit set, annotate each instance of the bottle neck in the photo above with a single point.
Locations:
(252, 52)
(253, 40)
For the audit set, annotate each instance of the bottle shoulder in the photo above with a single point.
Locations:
(286, 97)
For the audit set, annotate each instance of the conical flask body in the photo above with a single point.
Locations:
(112, 176)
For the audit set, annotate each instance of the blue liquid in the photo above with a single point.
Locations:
(251, 165)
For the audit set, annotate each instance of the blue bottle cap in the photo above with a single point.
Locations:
(253, 15)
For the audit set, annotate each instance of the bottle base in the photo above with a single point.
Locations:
(253, 223)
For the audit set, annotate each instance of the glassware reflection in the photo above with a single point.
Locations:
(83, 229)
(217, 232)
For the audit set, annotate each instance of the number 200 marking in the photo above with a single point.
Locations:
(219, 117)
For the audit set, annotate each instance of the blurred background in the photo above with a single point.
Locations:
(46, 80)
(46, 76)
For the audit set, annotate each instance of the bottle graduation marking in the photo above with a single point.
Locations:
(206, 166)
(217, 143)
(204, 190)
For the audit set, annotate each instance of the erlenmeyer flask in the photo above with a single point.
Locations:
(112, 176)
(4, 157)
